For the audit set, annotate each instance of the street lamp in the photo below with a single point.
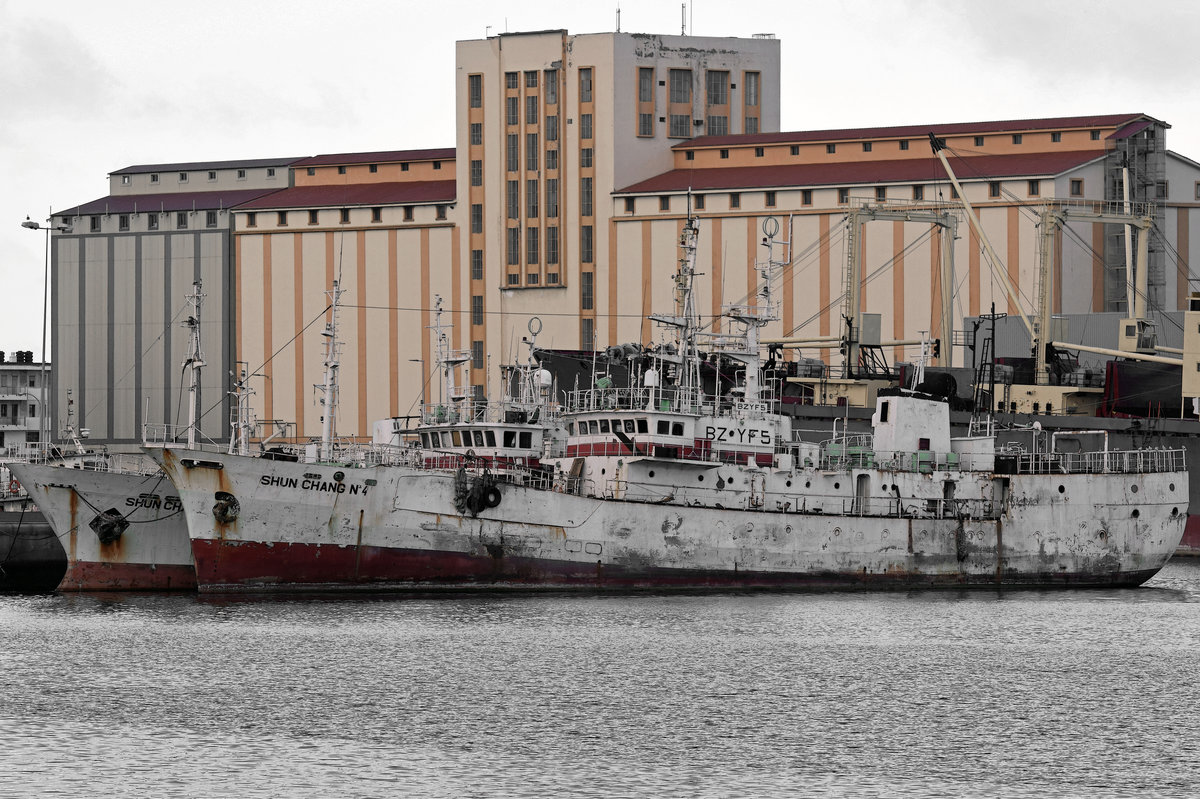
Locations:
(43, 428)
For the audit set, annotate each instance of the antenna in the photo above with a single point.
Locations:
(683, 20)
(618, 17)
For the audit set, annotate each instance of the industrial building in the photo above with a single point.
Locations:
(577, 159)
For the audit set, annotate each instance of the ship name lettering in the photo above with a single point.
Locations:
(741, 435)
(153, 501)
(281, 482)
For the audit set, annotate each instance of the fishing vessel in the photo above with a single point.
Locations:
(663, 484)
(31, 557)
(117, 515)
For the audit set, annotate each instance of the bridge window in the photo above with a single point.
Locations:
(642, 426)
(479, 438)
(526, 440)
(664, 427)
(491, 437)
(510, 438)
(677, 429)
(457, 438)
(604, 426)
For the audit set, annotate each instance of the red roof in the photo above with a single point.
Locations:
(915, 131)
(400, 193)
(380, 157)
(908, 170)
(167, 201)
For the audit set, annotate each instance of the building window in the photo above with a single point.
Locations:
(751, 88)
(1095, 135)
(806, 196)
(514, 246)
(918, 192)
(585, 126)
(281, 218)
(551, 84)
(585, 196)
(552, 278)
(511, 152)
(752, 125)
(551, 245)
(404, 167)
(181, 220)
(512, 110)
(994, 188)
(476, 133)
(587, 334)
(439, 213)
(689, 155)
(552, 160)
(681, 126)
(213, 175)
(1035, 188)
(1016, 138)
(477, 309)
(881, 193)
(477, 352)
(717, 85)
(532, 112)
(152, 220)
(376, 214)
(1056, 137)
(645, 84)
(770, 199)
(830, 148)
(475, 90)
(373, 168)
(664, 202)
(210, 218)
(408, 213)
(532, 257)
(587, 290)
(312, 217)
(585, 85)
(532, 279)
(531, 151)
(585, 157)
(125, 180)
(681, 86)
(795, 149)
(978, 141)
(759, 152)
(552, 197)
(270, 171)
(586, 255)
(183, 177)
(866, 146)
(843, 196)
(531, 198)
(645, 124)
(341, 170)
(312, 170)
(514, 280)
(717, 125)
(344, 216)
(123, 222)
(477, 172)
(531, 77)
(1160, 190)
(153, 177)
(477, 264)
(1198, 190)
(511, 80)
(735, 200)
(552, 127)
(904, 144)
(629, 202)
(512, 199)
(1076, 187)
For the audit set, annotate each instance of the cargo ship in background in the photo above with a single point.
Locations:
(664, 484)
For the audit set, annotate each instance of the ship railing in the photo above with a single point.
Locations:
(508, 411)
(858, 453)
(641, 399)
(1101, 462)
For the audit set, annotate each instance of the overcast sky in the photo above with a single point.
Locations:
(88, 88)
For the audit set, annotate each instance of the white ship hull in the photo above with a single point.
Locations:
(259, 524)
(153, 553)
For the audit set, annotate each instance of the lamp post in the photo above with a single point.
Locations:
(43, 428)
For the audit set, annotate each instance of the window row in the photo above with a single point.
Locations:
(185, 177)
(183, 220)
(512, 82)
(314, 215)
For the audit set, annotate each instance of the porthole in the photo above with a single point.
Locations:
(808, 484)
(789, 483)
(1174, 512)
(1062, 489)
(1172, 486)
(837, 486)
(650, 473)
(602, 471)
(1133, 488)
(699, 478)
(1136, 513)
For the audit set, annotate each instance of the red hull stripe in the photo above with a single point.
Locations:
(254, 566)
(94, 576)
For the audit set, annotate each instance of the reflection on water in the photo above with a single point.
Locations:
(922, 694)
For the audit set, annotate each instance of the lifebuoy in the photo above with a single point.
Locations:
(13, 486)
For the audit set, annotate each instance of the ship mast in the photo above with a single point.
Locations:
(685, 321)
(329, 400)
(757, 315)
(195, 360)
